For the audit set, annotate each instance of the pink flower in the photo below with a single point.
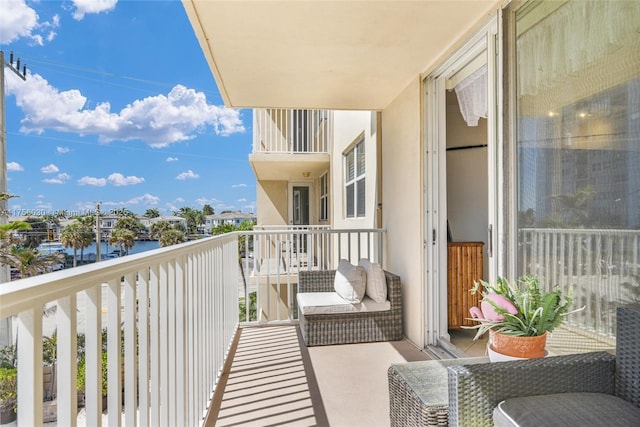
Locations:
(476, 313)
(489, 311)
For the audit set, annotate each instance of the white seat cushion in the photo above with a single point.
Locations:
(350, 281)
(332, 303)
(376, 288)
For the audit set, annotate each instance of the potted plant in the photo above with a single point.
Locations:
(81, 377)
(8, 394)
(519, 315)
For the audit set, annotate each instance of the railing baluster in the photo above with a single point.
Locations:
(67, 355)
(30, 391)
(130, 350)
(114, 384)
(143, 346)
(93, 355)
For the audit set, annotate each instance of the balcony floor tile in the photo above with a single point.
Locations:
(276, 380)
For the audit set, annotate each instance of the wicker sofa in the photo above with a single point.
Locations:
(580, 389)
(349, 328)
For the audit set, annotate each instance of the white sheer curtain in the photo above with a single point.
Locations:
(573, 39)
(472, 96)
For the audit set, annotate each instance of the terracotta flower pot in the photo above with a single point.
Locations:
(522, 347)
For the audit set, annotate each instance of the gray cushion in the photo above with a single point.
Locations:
(566, 409)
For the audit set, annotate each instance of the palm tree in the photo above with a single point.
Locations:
(208, 210)
(194, 218)
(157, 228)
(171, 237)
(77, 236)
(28, 261)
(152, 213)
(37, 233)
(123, 238)
(88, 220)
(8, 230)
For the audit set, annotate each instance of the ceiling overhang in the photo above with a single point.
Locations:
(355, 55)
(284, 167)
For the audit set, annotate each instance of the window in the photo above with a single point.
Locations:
(354, 168)
(324, 197)
(577, 85)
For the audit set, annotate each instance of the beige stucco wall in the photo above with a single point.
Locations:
(271, 201)
(402, 202)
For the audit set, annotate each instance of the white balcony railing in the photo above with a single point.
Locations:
(170, 316)
(602, 267)
(273, 259)
(291, 131)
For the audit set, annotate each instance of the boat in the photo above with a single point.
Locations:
(51, 247)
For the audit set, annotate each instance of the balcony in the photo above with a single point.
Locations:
(290, 144)
(170, 318)
(183, 306)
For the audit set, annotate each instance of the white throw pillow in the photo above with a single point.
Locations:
(350, 282)
(376, 280)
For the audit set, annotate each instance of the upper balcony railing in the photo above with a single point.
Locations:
(169, 317)
(601, 266)
(274, 257)
(291, 131)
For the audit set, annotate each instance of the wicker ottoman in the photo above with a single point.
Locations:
(418, 391)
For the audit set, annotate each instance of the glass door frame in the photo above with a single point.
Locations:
(434, 174)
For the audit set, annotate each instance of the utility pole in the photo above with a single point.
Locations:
(98, 242)
(4, 211)
(6, 328)
(3, 131)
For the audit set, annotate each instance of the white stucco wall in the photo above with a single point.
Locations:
(402, 202)
(349, 127)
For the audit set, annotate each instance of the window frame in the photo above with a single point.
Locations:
(357, 151)
(323, 183)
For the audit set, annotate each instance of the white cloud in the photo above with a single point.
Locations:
(18, 20)
(204, 201)
(92, 6)
(14, 167)
(156, 120)
(50, 168)
(40, 196)
(60, 179)
(118, 179)
(238, 185)
(242, 200)
(62, 150)
(179, 200)
(96, 182)
(172, 159)
(187, 175)
(146, 199)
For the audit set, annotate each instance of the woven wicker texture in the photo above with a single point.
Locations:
(418, 391)
(406, 407)
(474, 390)
(349, 328)
(628, 354)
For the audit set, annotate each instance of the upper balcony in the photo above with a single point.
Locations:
(290, 144)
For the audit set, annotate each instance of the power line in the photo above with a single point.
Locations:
(65, 66)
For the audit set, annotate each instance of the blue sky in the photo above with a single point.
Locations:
(119, 107)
